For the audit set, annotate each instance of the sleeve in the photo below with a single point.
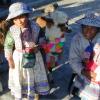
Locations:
(8, 45)
(75, 57)
(41, 36)
(36, 30)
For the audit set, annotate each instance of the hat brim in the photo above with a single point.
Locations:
(90, 22)
(11, 16)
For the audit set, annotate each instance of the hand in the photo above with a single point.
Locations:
(93, 76)
(11, 62)
(89, 74)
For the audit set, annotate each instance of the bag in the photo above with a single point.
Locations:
(28, 60)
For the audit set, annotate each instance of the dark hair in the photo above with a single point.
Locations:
(49, 20)
(55, 5)
(4, 26)
(26, 14)
(60, 25)
(44, 18)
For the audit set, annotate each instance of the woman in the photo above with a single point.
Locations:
(90, 26)
(27, 75)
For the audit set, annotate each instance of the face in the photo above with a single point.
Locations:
(89, 32)
(41, 22)
(21, 21)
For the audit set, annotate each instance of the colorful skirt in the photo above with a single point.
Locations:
(26, 82)
(88, 90)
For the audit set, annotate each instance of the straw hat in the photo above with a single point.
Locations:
(91, 19)
(17, 9)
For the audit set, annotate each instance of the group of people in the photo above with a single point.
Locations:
(34, 48)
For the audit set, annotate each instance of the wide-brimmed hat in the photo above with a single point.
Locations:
(17, 9)
(59, 17)
(91, 19)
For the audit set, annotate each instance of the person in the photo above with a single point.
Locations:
(44, 22)
(91, 60)
(53, 46)
(27, 75)
(96, 59)
(90, 27)
(41, 21)
(52, 10)
(49, 9)
(3, 61)
(1, 50)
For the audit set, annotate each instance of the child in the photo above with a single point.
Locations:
(27, 75)
(91, 60)
(97, 60)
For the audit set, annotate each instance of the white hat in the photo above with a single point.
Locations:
(59, 17)
(17, 9)
(91, 19)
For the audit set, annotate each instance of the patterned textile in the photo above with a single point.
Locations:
(51, 60)
(90, 91)
(97, 60)
(89, 62)
(25, 81)
(54, 46)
